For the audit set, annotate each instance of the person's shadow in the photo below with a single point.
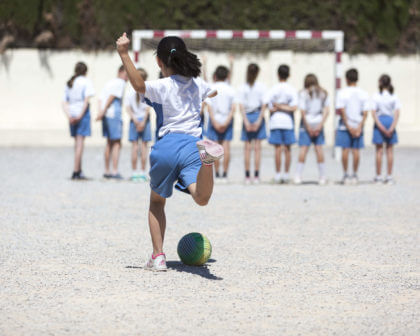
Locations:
(178, 266)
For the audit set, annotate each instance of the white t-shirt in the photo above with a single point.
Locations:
(139, 108)
(282, 93)
(354, 101)
(385, 103)
(75, 96)
(177, 102)
(222, 103)
(115, 87)
(251, 97)
(313, 106)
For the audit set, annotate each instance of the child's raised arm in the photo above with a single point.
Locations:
(133, 75)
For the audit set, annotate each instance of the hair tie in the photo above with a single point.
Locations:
(173, 50)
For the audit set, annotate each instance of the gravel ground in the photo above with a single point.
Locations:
(287, 260)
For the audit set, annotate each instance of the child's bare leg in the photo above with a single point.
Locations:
(302, 153)
(288, 158)
(319, 154)
(201, 190)
(107, 155)
(257, 154)
(157, 221)
(390, 158)
(143, 155)
(345, 159)
(247, 155)
(116, 145)
(78, 152)
(134, 151)
(356, 159)
(226, 157)
(379, 153)
(278, 157)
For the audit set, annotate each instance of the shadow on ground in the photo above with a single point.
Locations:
(178, 266)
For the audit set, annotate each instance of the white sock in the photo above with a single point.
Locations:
(321, 168)
(277, 177)
(142, 172)
(285, 176)
(299, 169)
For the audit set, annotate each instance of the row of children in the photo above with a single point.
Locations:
(252, 99)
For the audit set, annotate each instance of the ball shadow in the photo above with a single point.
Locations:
(202, 271)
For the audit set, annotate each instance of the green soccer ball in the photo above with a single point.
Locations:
(194, 249)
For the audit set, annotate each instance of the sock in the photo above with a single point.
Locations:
(142, 172)
(321, 168)
(224, 174)
(286, 176)
(247, 173)
(257, 173)
(277, 177)
(217, 174)
(299, 168)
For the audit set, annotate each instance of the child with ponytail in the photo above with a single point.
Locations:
(386, 112)
(177, 99)
(77, 93)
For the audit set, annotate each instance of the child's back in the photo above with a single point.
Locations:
(82, 87)
(222, 103)
(177, 102)
(114, 87)
(354, 101)
(282, 93)
(385, 103)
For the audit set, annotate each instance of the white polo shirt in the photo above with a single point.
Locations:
(281, 93)
(385, 103)
(354, 101)
(177, 102)
(115, 87)
(222, 103)
(313, 106)
(75, 96)
(251, 97)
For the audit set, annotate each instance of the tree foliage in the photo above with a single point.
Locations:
(391, 26)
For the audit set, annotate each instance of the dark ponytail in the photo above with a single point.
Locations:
(252, 73)
(79, 70)
(173, 52)
(385, 84)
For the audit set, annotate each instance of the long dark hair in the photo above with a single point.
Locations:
(385, 84)
(79, 70)
(252, 73)
(173, 52)
(312, 86)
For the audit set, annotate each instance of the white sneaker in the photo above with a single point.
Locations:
(297, 180)
(210, 151)
(378, 180)
(346, 179)
(256, 180)
(354, 179)
(156, 263)
(389, 180)
(322, 181)
(277, 179)
(224, 180)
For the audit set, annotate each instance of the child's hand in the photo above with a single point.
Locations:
(140, 126)
(123, 43)
(100, 116)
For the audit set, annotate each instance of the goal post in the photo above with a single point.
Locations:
(336, 36)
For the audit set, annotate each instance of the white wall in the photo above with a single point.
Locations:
(32, 84)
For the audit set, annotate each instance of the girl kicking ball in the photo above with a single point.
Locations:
(177, 100)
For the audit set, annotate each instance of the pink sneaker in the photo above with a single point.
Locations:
(156, 263)
(210, 151)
